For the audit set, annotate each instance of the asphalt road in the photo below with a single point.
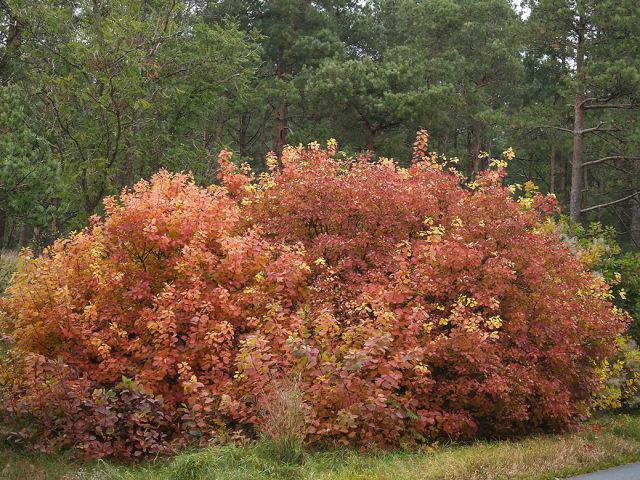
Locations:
(625, 472)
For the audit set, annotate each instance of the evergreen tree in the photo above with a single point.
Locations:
(598, 43)
(28, 173)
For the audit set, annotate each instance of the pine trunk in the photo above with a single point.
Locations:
(26, 234)
(635, 221)
(577, 175)
(635, 206)
(474, 151)
(3, 224)
(552, 170)
(280, 129)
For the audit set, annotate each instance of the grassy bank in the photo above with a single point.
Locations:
(604, 442)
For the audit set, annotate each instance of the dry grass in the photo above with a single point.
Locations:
(283, 413)
(544, 457)
(608, 441)
(8, 264)
(283, 423)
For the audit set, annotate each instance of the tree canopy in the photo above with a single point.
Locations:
(113, 90)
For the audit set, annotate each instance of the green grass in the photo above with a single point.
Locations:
(604, 442)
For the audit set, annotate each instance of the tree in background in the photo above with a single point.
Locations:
(474, 46)
(129, 87)
(28, 173)
(451, 66)
(121, 88)
(295, 34)
(10, 37)
(373, 95)
(596, 49)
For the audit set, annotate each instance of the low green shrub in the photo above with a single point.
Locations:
(620, 377)
(628, 289)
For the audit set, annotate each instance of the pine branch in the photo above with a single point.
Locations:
(605, 159)
(609, 204)
(553, 127)
(604, 105)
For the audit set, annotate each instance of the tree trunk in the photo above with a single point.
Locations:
(552, 169)
(577, 177)
(635, 221)
(371, 139)
(564, 177)
(474, 151)
(444, 144)
(219, 131)
(26, 234)
(243, 145)
(3, 224)
(635, 205)
(37, 239)
(282, 113)
(280, 128)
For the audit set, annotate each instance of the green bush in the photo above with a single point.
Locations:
(620, 377)
(599, 251)
(628, 266)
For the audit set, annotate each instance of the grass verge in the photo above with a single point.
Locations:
(603, 442)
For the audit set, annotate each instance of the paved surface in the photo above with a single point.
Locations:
(625, 472)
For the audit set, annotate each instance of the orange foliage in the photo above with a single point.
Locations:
(407, 304)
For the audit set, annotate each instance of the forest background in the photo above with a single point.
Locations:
(95, 94)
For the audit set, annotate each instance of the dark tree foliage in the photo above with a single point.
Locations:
(120, 88)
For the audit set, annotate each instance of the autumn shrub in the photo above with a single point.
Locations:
(54, 407)
(163, 292)
(437, 307)
(409, 304)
